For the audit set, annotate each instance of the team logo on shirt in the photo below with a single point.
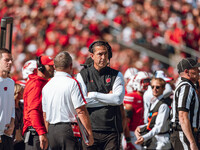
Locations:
(108, 80)
(5, 88)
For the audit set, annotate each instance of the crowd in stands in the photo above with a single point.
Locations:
(46, 26)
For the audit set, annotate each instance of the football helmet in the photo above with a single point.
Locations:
(29, 67)
(129, 73)
(141, 81)
(128, 76)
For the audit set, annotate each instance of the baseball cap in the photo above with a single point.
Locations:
(161, 74)
(46, 60)
(187, 63)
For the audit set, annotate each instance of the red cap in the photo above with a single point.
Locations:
(46, 60)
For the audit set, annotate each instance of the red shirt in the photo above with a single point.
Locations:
(33, 115)
(136, 101)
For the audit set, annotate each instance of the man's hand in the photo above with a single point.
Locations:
(140, 140)
(18, 135)
(91, 140)
(43, 141)
(137, 132)
(9, 130)
(193, 146)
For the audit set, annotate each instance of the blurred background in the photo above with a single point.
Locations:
(146, 34)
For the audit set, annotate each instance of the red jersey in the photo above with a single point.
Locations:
(33, 114)
(136, 101)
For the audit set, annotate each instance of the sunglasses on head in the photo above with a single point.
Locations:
(157, 87)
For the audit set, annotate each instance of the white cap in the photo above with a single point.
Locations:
(29, 68)
(161, 74)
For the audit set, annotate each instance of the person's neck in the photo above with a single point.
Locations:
(98, 68)
(3, 74)
(40, 74)
(68, 70)
(187, 77)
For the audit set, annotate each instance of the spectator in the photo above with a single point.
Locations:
(7, 102)
(144, 22)
(155, 134)
(34, 127)
(62, 100)
(104, 90)
(185, 120)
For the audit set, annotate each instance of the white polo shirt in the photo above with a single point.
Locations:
(60, 97)
(7, 102)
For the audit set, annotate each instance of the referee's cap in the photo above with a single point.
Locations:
(187, 63)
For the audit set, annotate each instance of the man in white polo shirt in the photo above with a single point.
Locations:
(62, 99)
(7, 102)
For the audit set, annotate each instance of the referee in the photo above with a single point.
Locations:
(185, 108)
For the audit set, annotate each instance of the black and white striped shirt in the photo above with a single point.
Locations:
(186, 99)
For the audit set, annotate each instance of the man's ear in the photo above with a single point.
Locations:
(92, 55)
(71, 66)
(186, 71)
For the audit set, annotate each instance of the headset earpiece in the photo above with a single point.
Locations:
(40, 66)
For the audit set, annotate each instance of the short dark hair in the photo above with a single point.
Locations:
(62, 60)
(4, 50)
(101, 43)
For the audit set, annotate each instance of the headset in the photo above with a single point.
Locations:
(40, 66)
(101, 43)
